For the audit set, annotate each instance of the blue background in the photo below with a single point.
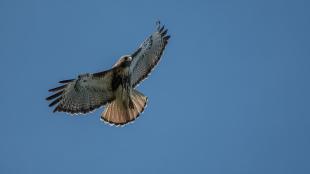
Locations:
(231, 94)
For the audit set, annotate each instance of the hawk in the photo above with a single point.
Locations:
(113, 88)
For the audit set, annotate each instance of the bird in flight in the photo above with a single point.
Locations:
(113, 88)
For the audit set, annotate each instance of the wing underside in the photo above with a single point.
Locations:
(82, 95)
(146, 57)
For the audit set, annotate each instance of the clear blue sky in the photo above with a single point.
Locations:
(231, 94)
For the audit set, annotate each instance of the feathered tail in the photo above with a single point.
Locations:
(118, 113)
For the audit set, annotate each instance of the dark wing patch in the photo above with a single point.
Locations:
(148, 55)
(82, 95)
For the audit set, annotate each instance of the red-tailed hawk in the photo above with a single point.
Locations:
(114, 88)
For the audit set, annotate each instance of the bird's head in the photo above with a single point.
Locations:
(124, 61)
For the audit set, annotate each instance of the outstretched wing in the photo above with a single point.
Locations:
(148, 55)
(84, 94)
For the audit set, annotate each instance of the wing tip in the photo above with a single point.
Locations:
(55, 102)
(158, 25)
(163, 31)
(57, 88)
(54, 95)
(66, 81)
(55, 110)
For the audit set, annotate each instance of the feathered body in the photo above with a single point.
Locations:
(114, 88)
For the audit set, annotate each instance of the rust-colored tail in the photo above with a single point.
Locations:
(117, 113)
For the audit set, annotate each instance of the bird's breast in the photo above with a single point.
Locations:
(121, 78)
